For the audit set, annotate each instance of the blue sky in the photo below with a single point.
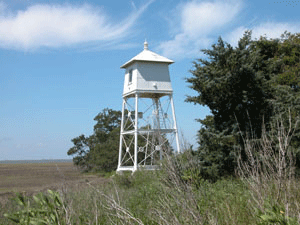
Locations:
(60, 61)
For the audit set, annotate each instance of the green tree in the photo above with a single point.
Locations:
(244, 87)
(81, 149)
(100, 150)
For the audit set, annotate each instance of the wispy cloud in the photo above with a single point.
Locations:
(198, 21)
(268, 29)
(202, 22)
(53, 26)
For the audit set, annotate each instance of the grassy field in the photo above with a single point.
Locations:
(173, 195)
(146, 197)
(35, 177)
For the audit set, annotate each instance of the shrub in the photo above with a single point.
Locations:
(46, 209)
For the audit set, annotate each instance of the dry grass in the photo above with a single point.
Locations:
(35, 177)
(269, 172)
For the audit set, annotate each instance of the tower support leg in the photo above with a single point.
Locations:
(121, 134)
(136, 133)
(175, 124)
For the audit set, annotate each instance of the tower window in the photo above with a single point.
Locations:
(130, 76)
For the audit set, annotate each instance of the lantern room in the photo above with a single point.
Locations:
(147, 73)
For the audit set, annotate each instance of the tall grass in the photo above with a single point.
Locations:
(269, 172)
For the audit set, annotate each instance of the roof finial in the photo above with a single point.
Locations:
(145, 45)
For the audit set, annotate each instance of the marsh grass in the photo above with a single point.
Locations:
(146, 198)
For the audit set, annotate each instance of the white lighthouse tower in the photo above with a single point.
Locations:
(148, 127)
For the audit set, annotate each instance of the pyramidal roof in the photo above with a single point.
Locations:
(148, 56)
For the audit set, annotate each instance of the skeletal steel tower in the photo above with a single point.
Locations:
(148, 127)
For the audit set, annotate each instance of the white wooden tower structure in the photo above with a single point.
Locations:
(148, 127)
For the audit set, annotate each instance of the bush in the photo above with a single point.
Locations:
(46, 209)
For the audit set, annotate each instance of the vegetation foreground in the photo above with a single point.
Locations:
(145, 198)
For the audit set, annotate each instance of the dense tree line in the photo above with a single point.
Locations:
(245, 87)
